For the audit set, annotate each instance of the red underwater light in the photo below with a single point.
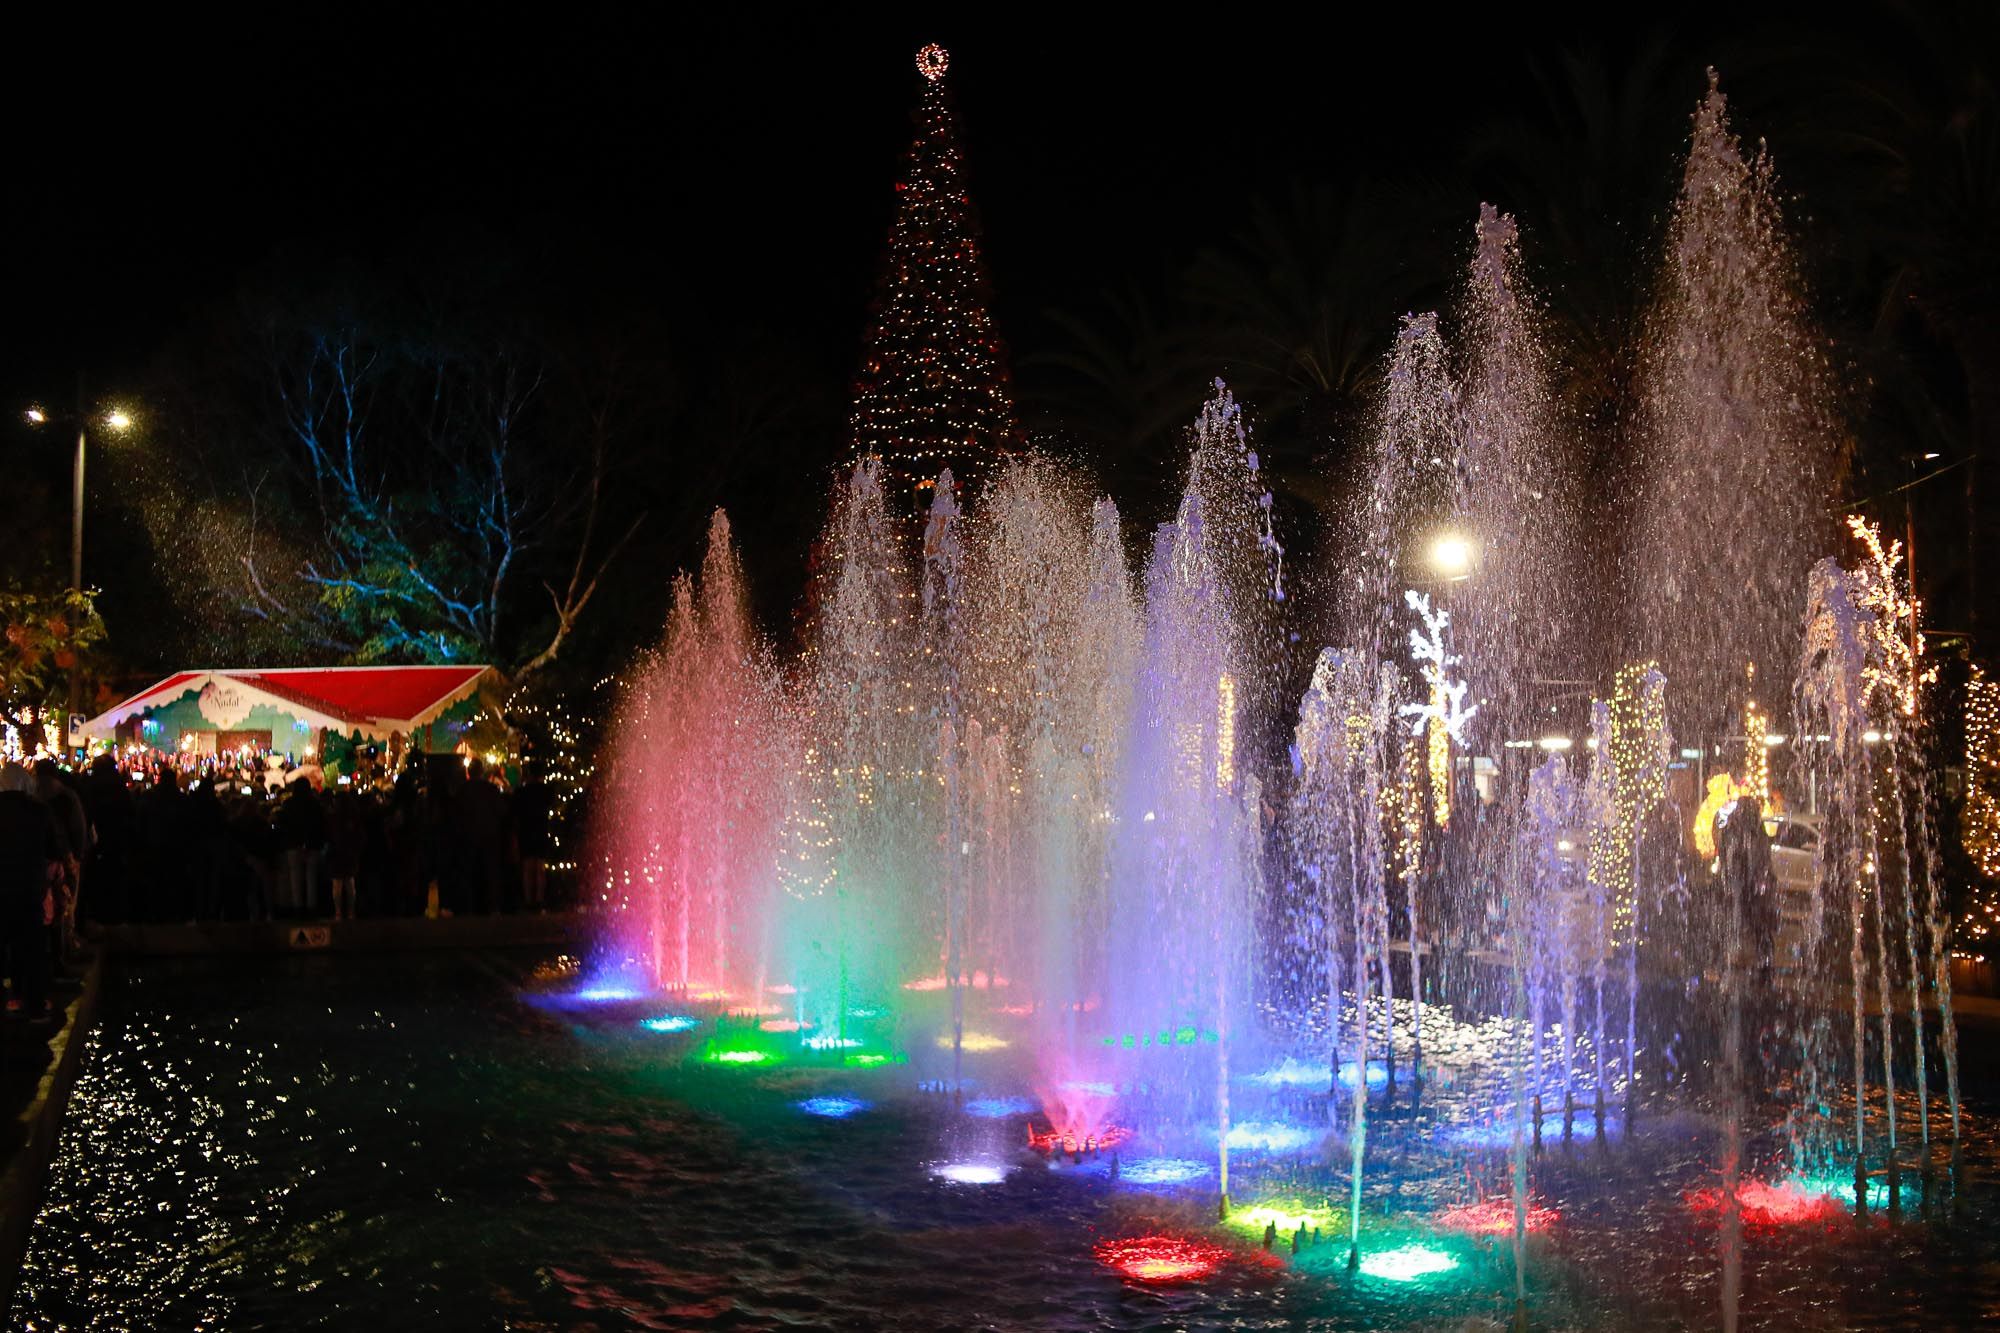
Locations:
(1162, 1258)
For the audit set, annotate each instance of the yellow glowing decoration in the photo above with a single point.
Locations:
(1439, 757)
(1722, 790)
(1756, 754)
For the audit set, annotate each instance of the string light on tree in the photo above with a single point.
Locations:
(1980, 821)
(933, 391)
(1902, 674)
(1638, 745)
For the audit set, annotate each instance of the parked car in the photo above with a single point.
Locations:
(1793, 851)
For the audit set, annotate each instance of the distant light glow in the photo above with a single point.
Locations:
(831, 1043)
(117, 420)
(1092, 1089)
(971, 1173)
(1295, 1073)
(1161, 1258)
(669, 1023)
(833, 1108)
(1272, 1137)
(1407, 1263)
(999, 1108)
(779, 1025)
(975, 1042)
(977, 981)
(740, 1057)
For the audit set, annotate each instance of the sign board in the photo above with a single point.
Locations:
(224, 704)
(311, 937)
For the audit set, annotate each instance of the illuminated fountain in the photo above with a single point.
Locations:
(694, 783)
(1051, 831)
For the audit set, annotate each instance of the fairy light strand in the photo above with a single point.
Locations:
(933, 390)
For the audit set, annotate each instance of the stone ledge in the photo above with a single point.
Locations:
(38, 1128)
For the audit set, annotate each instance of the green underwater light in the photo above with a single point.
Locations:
(873, 1059)
(1836, 1186)
(743, 1047)
(1407, 1263)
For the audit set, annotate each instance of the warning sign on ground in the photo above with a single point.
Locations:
(311, 937)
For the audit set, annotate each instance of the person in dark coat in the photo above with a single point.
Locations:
(30, 848)
(167, 850)
(346, 832)
(114, 827)
(479, 827)
(208, 834)
(301, 829)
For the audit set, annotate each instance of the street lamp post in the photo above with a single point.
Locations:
(75, 554)
(115, 419)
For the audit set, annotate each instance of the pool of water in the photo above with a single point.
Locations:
(407, 1142)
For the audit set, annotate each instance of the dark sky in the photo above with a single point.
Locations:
(733, 175)
(694, 164)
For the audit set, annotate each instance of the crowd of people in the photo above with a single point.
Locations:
(146, 839)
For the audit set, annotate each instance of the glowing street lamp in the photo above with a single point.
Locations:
(118, 419)
(1451, 555)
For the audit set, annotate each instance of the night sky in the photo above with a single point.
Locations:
(736, 172)
(733, 177)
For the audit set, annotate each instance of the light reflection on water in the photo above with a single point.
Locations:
(358, 1144)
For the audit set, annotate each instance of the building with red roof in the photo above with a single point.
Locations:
(291, 709)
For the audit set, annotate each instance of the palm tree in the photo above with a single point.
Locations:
(1588, 173)
(1894, 137)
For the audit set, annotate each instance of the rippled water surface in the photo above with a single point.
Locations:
(404, 1142)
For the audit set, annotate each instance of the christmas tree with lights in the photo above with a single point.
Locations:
(933, 391)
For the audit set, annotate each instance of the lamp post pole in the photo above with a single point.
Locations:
(76, 552)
